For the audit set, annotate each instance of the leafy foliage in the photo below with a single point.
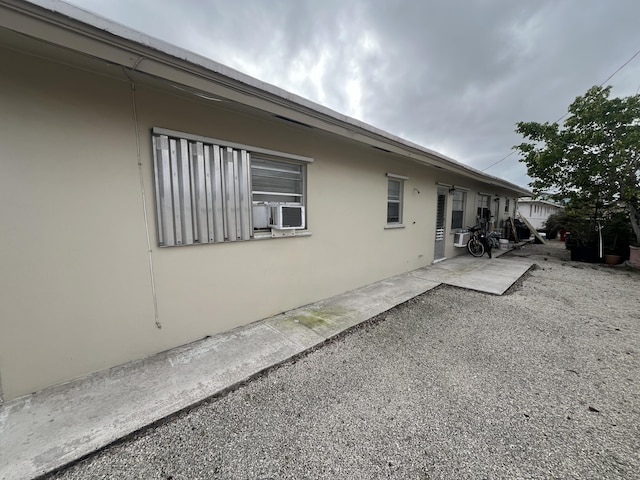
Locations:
(593, 158)
(575, 221)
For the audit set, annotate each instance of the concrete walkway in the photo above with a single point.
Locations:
(50, 428)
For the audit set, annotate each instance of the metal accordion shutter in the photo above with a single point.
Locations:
(203, 192)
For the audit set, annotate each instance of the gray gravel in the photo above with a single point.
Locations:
(542, 382)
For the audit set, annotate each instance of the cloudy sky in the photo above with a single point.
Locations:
(452, 75)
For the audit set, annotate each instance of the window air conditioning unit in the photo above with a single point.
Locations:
(461, 239)
(285, 217)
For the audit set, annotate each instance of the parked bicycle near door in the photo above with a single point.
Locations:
(479, 243)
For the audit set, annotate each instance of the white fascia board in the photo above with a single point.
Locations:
(102, 38)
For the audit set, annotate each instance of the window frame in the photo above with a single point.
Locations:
(400, 180)
(297, 196)
(453, 209)
(481, 219)
(203, 188)
(257, 205)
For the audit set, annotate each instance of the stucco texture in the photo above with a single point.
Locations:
(76, 285)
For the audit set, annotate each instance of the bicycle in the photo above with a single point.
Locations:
(478, 244)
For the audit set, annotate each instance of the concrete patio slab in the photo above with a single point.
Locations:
(494, 277)
(482, 274)
(50, 428)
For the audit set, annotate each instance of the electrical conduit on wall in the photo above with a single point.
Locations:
(143, 194)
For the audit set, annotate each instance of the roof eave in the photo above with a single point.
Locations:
(99, 37)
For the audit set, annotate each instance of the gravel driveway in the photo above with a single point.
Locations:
(543, 382)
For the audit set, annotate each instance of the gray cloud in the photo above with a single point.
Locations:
(451, 75)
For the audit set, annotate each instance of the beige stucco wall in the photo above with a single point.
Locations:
(75, 285)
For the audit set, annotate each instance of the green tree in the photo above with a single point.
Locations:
(594, 156)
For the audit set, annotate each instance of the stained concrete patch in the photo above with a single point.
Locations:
(288, 327)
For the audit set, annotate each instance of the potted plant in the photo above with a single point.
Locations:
(611, 257)
(634, 244)
(579, 219)
(616, 235)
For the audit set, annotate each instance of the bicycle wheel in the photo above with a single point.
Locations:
(475, 247)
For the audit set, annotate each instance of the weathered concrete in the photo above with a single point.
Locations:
(481, 274)
(50, 428)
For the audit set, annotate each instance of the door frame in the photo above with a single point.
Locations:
(439, 246)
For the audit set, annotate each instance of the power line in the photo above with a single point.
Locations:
(501, 160)
(567, 113)
(621, 67)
